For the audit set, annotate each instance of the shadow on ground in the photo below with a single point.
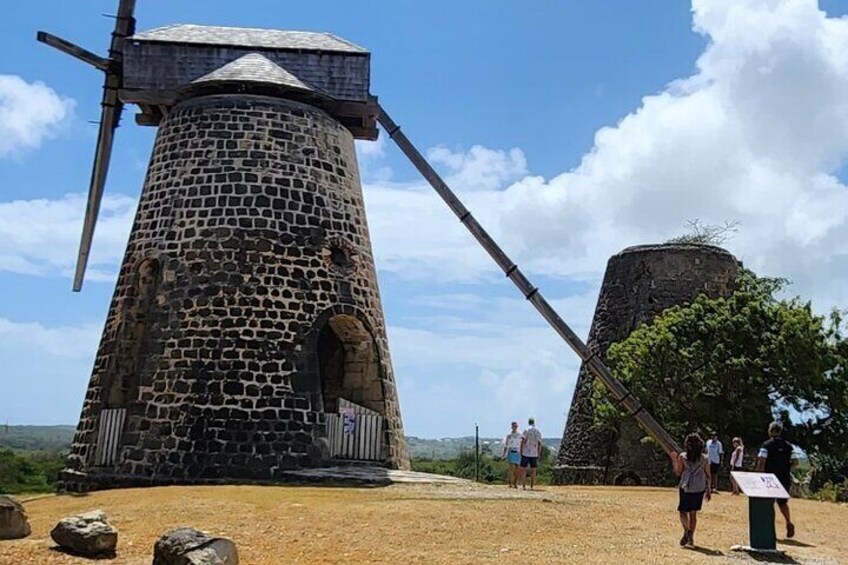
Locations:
(794, 543)
(100, 557)
(705, 550)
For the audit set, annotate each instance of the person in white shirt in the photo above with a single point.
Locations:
(736, 459)
(512, 454)
(531, 449)
(714, 451)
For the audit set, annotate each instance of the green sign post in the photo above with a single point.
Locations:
(761, 489)
(761, 523)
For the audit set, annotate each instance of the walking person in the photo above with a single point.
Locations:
(736, 461)
(512, 454)
(778, 456)
(715, 451)
(531, 450)
(693, 468)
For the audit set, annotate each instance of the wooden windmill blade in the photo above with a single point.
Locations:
(592, 362)
(110, 116)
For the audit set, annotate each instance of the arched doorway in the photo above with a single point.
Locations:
(348, 365)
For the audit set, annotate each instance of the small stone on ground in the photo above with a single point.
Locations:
(14, 523)
(87, 534)
(187, 546)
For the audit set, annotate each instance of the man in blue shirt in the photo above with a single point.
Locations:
(714, 450)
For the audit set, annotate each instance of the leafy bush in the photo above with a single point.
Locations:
(830, 492)
(828, 469)
(491, 470)
(29, 472)
(733, 364)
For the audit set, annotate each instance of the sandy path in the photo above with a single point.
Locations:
(431, 524)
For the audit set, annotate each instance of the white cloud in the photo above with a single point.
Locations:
(29, 113)
(480, 168)
(370, 155)
(41, 237)
(45, 371)
(415, 236)
(73, 342)
(755, 135)
(484, 373)
(470, 358)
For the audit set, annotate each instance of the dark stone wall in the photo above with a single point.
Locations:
(639, 283)
(249, 240)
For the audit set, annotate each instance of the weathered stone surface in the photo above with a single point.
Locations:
(87, 534)
(246, 305)
(14, 523)
(187, 546)
(639, 283)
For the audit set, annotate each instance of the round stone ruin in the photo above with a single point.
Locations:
(639, 283)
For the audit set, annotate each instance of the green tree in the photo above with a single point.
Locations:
(733, 364)
(29, 472)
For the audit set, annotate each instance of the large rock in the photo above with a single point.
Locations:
(13, 519)
(86, 534)
(187, 546)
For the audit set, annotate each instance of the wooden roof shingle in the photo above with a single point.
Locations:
(249, 37)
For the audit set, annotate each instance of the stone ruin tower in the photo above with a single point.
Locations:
(639, 283)
(246, 336)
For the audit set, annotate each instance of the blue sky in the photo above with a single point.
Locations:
(572, 129)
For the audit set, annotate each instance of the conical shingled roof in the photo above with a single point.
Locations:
(254, 68)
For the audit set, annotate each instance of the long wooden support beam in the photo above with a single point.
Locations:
(73, 50)
(109, 120)
(591, 360)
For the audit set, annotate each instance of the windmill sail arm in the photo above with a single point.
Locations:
(592, 362)
(109, 119)
(124, 27)
(73, 50)
(103, 153)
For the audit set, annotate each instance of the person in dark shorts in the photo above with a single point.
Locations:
(531, 450)
(778, 456)
(693, 468)
(715, 451)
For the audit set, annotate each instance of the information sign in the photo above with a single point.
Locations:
(759, 485)
(349, 420)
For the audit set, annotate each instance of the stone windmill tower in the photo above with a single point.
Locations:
(640, 282)
(246, 335)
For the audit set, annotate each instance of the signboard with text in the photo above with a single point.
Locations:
(349, 419)
(759, 485)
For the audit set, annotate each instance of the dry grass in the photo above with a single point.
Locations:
(431, 524)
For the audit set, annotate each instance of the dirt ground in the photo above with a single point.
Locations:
(432, 524)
